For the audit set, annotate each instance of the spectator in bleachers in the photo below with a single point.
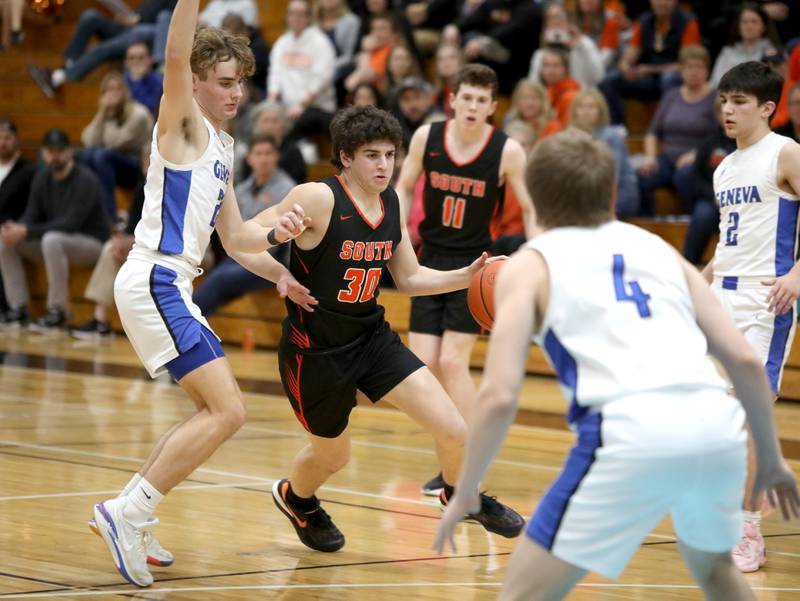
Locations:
(373, 56)
(400, 64)
(114, 138)
(703, 208)
(752, 34)
(334, 18)
(235, 24)
(145, 83)
(415, 106)
(649, 65)
(428, 18)
(64, 223)
(366, 94)
(266, 187)
(100, 288)
(778, 61)
(16, 173)
(590, 113)
(585, 62)
(12, 23)
(215, 12)
(603, 24)
(268, 118)
(561, 88)
(449, 60)
(501, 33)
(116, 34)
(530, 108)
(792, 128)
(301, 73)
(684, 118)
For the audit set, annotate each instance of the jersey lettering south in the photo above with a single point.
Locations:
(460, 198)
(182, 202)
(758, 220)
(343, 272)
(619, 320)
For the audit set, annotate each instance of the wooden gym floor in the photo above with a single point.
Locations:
(76, 420)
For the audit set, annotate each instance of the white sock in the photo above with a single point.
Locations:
(754, 517)
(130, 485)
(142, 502)
(58, 77)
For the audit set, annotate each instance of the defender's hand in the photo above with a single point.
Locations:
(779, 484)
(459, 506)
(784, 292)
(297, 293)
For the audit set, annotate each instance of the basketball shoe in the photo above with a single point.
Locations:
(314, 528)
(494, 516)
(750, 553)
(156, 554)
(434, 486)
(125, 541)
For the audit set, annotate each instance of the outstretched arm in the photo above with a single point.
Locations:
(177, 103)
(413, 279)
(513, 167)
(516, 289)
(745, 370)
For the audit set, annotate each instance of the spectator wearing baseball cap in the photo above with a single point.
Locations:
(778, 61)
(64, 224)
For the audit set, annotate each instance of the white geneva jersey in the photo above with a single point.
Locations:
(620, 320)
(758, 220)
(181, 202)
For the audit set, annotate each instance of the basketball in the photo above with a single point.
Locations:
(480, 296)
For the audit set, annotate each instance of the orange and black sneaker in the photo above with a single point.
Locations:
(314, 528)
(494, 516)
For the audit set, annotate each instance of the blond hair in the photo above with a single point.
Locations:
(213, 45)
(570, 178)
(694, 52)
(545, 114)
(600, 101)
(124, 110)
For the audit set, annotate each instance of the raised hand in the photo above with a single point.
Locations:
(291, 224)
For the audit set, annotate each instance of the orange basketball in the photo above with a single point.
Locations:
(480, 296)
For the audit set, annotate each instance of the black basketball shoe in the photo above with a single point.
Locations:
(314, 528)
(494, 516)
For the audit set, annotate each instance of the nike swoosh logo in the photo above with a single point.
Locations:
(345, 217)
(146, 495)
(433, 154)
(284, 489)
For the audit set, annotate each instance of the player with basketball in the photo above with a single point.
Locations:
(345, 346)
(753, 271)
(467, 164)
(627, 328)
(188, 194)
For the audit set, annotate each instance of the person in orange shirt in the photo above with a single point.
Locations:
(530, 108)
(649, 65)
(561, 88)
(374, 55)
(601, 21)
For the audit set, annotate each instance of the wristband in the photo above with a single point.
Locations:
(272, 238)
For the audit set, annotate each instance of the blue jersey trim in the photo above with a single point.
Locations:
(183, 328)
(546, 521)
(567, 371)
(201, 353)
(777, 348)
(730, 282)
(174, 200)
(786, 236)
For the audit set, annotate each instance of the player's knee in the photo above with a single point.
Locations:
(335, 461)
(233, 418)
(453, 365)
(52, 242)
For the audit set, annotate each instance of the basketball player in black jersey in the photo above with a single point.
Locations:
(467, 164)
(344, 345)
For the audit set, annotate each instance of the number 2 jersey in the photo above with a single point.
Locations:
(460, 198)
(181, 202)
(619, 320)
(758, 220)
(343, 273)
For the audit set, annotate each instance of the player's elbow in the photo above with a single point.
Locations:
(742, 359)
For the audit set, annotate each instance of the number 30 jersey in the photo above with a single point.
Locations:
(619, 319)
(181, 202)
(343, 272)
(758, 220)
(460, 198)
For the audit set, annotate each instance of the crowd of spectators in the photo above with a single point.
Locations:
(571, 64)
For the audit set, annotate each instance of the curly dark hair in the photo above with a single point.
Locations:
(356, 126)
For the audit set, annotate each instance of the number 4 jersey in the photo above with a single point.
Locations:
(758, 220)
(343, 273)
(619, 320)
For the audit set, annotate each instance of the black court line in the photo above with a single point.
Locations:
(673, 542)
(31, 579)
(356, 564)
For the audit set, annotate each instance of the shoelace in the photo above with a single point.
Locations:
(490, 505)
(319, 518)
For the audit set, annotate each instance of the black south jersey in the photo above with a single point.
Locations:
(343, 272)
(460, 198)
